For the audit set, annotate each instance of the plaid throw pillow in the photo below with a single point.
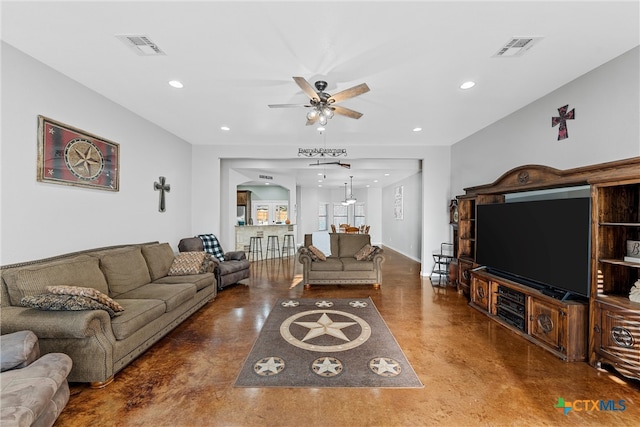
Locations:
(212, 245)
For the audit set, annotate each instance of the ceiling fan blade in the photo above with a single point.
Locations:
(288, 105)
(349, 93)
(346, 112)
(307, 88)
(345, 165)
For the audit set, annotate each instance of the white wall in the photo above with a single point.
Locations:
(42, 219)
(606, 127)
(400, 234)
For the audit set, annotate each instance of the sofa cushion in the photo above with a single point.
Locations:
(352, 264)
(53, 302)
(82, 270)
(331, 264)
(187, 263)
(173, 294)
(229, 267)
(200, 280)
(94, 294)
(352, 243)
(137, 313)
(125, 269)
(159, 258)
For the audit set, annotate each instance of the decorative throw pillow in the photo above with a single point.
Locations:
(94, 294)
(364, 252)
(318, 253)
(187, 263)
(53, 302)
(376, 251)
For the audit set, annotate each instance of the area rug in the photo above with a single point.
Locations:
(326, 343)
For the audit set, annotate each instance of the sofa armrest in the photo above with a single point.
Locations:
(55, 324)
(18, 349)
(235, 256)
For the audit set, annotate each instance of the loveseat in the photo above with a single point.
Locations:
(353, 261)
(155, 293)
(34, 389)
(228, 267)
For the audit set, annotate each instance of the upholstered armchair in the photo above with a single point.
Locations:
(34, 389)
(230, 267)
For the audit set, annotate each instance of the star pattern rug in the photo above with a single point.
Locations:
(326, 343)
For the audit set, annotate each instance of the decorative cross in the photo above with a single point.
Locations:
(162, 187)
(562, 121)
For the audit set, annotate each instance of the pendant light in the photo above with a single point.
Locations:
(345, 202)
(351, 200)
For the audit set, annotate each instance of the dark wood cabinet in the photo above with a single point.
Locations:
(615, 320)
(557, 326)
(606, 328)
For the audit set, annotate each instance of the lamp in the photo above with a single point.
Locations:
(345, 202)
(351, 200)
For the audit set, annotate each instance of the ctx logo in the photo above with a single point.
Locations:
(589, 405)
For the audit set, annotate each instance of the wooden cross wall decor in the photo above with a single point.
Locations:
(563, 133)
(163, 187)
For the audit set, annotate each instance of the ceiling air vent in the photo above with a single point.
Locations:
(517, 46)
(140, 44)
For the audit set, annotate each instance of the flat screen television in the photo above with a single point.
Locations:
(545, 244)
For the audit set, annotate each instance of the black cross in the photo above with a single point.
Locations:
(563, 133)
(162, 187)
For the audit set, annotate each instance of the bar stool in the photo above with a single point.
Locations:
(288, 243)
(273, 244)
(255, 248)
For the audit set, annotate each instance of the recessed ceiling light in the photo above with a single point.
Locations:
(417, 129)
(225, 128)
(387, 174)
(266, 183)
(176, 84)
(467, 85)
(319, 180)
(375, 180)
(319, 185)
(320, 174)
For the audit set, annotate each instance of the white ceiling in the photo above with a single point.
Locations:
(236, 57)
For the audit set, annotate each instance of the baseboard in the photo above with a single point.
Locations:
(400, 252)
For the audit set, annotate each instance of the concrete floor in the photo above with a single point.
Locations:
(475, 371)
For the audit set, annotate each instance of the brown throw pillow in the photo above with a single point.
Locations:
(186, 263)
(318, 253)
(53, 302)
(94, 294)
(364, 252)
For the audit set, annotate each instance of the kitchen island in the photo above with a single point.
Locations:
(245, 232)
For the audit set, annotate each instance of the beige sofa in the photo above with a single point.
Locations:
(135, 276)
(341, 267)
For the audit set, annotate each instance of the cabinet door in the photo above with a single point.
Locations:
(619, 335)
(480, 292)
(547, 323)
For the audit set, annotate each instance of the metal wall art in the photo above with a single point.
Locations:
(322, 152)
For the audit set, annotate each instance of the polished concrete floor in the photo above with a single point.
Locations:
(475, 371)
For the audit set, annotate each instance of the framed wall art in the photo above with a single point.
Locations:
(398, 202)
(71, 156)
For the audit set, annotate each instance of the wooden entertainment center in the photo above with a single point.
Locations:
(605, 329)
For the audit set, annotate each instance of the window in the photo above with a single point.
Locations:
(323, 213)
(340, 214)
(358, 215)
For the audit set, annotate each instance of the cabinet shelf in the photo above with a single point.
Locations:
(619, 300)
(619, 224)
(620, 262)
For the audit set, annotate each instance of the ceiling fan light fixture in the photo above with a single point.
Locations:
(323, 120)
(311, 115)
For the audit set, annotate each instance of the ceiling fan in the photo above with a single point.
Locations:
(338, 163)
(322, 104)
